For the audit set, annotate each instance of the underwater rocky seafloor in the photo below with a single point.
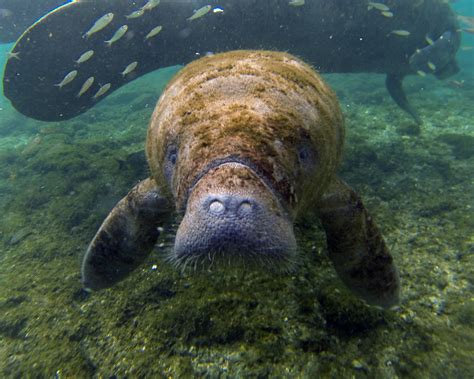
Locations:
(58, 182)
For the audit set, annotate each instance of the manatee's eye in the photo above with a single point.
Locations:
(303, 154)
(306, 155)
(172, 157)
(170, 162)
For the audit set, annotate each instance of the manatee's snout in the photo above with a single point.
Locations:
(229, 208)
(233, 218)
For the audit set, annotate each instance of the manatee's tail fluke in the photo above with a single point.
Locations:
(395, 89)
(438, 57)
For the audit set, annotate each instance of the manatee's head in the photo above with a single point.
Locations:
(244, 142)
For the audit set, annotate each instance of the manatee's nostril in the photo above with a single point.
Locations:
(216, 207)
(245, 208)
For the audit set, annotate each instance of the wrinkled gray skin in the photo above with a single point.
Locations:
(242, 144)
(334, 36)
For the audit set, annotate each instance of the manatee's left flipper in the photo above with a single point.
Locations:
(356, 247)
(395, 89)
(126, 237)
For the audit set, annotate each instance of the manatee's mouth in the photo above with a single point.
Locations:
(240, 161)
(232, 226)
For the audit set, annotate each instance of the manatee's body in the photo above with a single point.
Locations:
(334, 36)
(242, 144)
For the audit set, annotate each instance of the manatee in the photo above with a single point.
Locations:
(334, 36)
(240, 146)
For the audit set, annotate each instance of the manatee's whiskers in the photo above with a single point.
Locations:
(244, 259)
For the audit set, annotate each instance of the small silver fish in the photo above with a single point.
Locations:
(13, 55)
(432, 66)
(102, 90)
(85, 57)
(421, 73)
(378, 6)
(136, 14)
(117, 35)
(150, 5)
(401, 33)
(100, 24)
(200, 12)
(87, 84)
(429, 40)
(296, 3)
(387, 14)
(154, 32)
(132, 66)
(67, 79)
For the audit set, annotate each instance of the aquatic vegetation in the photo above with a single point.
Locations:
(462, 145)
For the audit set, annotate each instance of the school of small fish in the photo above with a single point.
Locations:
(101, 23)
(387, 12)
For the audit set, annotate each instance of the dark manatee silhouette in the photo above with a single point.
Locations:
(334, 36)
(242, 144)
(17, 15)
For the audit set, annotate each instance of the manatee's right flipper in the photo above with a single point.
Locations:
(395, 89)
(126, 237)
(356, 247)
